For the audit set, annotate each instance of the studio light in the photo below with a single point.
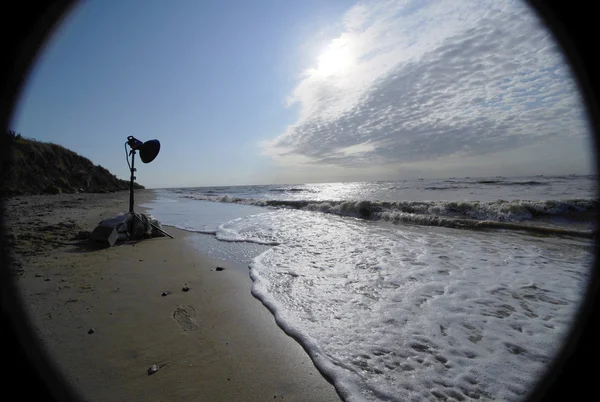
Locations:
(148, 152)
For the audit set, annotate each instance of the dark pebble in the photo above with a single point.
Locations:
(220, 268)
(165, 293)
(47, 279)
(185, 288)
(38, 275)
(91, 331)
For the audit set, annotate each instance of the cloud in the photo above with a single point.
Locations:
(414, 81)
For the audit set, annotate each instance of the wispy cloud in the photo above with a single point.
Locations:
(411, 81)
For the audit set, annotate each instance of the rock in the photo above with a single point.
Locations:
(165, 293)
(91, 331)
(47, 279)
(185, 289)
(153, 369)
(220, 268)
(38, 275)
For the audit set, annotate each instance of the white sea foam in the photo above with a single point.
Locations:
(397, 315)
(406, 312)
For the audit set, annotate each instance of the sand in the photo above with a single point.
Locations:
(212, 342)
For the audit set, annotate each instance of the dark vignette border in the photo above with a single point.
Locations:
(26, 26)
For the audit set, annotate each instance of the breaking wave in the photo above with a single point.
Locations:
(291, 190)
(512, 183)
(543, 217)
(443, 187)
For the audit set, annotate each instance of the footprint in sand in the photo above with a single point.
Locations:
(186, 317)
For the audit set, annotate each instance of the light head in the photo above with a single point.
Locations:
(148, 150)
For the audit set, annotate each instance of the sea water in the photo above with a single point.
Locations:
(447, 289)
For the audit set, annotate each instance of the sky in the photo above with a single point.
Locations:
(274, 92)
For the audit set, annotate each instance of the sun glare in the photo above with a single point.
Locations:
(336, 59)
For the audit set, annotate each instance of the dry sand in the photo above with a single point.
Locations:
(213, 342)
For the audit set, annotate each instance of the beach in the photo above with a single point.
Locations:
(102, 317)
(441, 289)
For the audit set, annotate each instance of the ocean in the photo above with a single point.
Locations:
(448, 289)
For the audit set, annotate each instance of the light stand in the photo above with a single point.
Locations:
(148, 151)
(132, 153)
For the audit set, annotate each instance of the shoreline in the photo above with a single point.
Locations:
(213, 342)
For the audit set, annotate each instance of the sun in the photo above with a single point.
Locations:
(336, 59)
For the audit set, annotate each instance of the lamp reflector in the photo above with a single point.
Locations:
(149, 150)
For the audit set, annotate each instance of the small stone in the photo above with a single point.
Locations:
(38, 275)
(91, 331)
(46, 280)
(153, 369)
(185, 289)
(141, 260)
(220, 268)
(165, 293)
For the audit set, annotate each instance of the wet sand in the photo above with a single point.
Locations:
(212, 342)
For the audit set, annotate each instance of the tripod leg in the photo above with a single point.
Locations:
(154, 226)
(160, 230)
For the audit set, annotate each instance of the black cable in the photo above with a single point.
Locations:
(127, 155)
